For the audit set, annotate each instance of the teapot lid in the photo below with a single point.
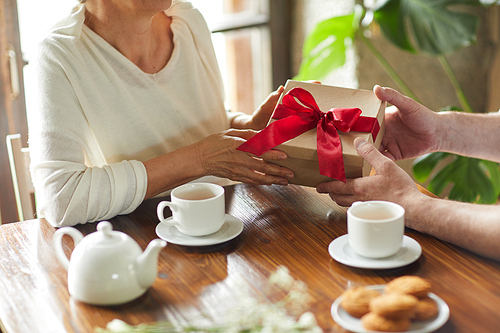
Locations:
(106, 236)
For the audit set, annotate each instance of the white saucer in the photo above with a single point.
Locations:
(341, 251)
(231, 228)
(353, 324)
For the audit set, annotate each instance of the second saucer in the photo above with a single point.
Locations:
(341, 251)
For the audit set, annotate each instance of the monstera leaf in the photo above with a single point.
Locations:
(435, 27)
(392, 24)
(324, 49)
(423, 166)
(471, 180)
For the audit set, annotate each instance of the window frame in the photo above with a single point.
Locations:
(278, 20)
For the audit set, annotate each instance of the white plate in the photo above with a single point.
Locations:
(231, 228)
(341, 251)
(353, 324)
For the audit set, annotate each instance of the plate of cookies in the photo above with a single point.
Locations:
(405, 304)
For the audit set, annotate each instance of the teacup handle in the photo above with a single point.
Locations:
(57, 242)
(159, 212)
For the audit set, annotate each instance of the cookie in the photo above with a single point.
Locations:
(412, 285)
(374, 322)
(394, 306)
(356, 301)
(426, 309)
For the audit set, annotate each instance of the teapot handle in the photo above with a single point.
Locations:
(57, 242)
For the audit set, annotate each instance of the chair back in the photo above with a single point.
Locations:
(21, 178)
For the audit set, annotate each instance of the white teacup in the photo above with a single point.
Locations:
(375, 228)
(198, 209)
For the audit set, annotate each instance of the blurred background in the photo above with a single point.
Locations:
(259, 46)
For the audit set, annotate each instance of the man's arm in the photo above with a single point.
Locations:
(471, 226)
(470, 134)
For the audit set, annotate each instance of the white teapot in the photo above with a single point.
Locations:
(107, 267)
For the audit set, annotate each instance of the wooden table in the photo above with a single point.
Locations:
(290, 226)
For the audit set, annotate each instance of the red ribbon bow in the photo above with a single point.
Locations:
(298, 114)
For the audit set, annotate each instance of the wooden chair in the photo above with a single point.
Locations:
(23, 187)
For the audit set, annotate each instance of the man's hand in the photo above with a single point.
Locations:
(411, 129)
(390, 183)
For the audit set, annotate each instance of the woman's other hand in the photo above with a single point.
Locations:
(260, 118)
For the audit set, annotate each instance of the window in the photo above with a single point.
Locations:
(35, 19)
(242, 32)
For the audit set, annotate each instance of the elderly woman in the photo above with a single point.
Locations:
(131, 105)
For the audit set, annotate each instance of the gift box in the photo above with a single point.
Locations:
(318, 108)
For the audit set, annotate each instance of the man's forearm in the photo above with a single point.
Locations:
(471, 226)
(473, 135)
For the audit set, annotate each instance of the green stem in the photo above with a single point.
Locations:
(456, 85)
(387, 67)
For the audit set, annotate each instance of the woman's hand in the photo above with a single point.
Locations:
(218, 156)
(260, 118)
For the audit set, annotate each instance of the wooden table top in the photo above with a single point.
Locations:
(290, 226)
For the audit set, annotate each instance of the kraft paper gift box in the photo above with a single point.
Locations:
(302, 150)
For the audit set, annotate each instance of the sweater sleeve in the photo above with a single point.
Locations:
(68, 189)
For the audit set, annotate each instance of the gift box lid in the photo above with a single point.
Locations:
(328, 97)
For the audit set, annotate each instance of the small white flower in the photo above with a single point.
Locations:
(282, 278)
(300, 286)
(117, 325)
(267, 329)
(308, 321)
(278, 319)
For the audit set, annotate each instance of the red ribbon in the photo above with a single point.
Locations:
(298, 114)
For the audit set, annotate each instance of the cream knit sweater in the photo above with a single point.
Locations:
(99, 116)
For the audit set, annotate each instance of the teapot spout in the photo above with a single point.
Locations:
(147, 263)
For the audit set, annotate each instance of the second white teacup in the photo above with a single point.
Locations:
(198, 209)
(375, 228)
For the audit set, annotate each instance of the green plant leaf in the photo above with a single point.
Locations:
(450, 108)
(493, 171)
(469, 181)
(423, 165)
(324, 49)
(387, 15)
(435, 28)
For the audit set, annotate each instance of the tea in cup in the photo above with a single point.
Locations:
(375, 228)
(198, 209)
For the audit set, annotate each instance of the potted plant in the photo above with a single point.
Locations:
(431, 27)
